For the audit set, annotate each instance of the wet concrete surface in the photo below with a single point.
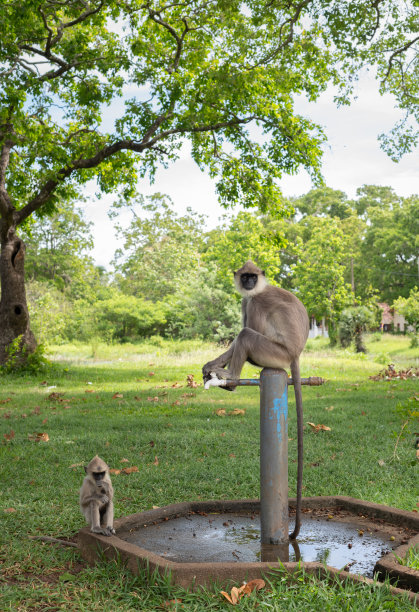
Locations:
(236, 538)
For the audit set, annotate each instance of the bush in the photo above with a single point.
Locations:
(21, 361)
(49, 311)
(354, 321)
(124, 318)
(204, 311)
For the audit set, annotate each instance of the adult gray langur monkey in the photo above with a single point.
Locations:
(96, 497)
(275, 330)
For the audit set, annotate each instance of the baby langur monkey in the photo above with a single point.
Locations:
(96, 496)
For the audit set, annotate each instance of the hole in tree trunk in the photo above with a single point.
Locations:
(18, 310)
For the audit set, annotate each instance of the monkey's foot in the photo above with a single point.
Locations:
(100, 531)
(110, 531)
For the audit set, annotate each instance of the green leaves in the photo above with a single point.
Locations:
(110, 91)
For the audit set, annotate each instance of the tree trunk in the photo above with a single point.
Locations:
(14, 315)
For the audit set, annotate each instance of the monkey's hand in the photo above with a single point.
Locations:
(104, 499)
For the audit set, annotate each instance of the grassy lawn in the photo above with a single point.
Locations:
(130, 404)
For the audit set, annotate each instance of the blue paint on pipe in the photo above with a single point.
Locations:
(280, 408)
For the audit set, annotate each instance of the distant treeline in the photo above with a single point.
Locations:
(171, 277)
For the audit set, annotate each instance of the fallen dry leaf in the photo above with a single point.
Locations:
(254, 585)
(8, 399)
(156, 461)
(39, 437)
(191, 382)
(114, 471)
(233, 598)
(56, 397)
(151, 373)
(170, 603)
(89, 391)
(220, 412)
(117, 396)
(319, 427)
(176, 385)
(330, 408)
(124, 461)
(9, 510)
(237, 593)
(236, 412)
(9, 436)
(153, 399)
(130, 470)
(73, 465)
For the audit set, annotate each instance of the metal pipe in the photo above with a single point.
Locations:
(312, 381)
(273, 456)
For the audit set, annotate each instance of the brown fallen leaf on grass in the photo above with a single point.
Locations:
(74, 465)
(129, 470)
(317, 428)
(114, 471)
(236, 412)
(56, 397)
(220, 412)
(9, 510)
(124, 460)
(8, 399)
(237, 593)
(117, 396)
(156, 460)
(38, 437)
(171, 604)
(9, 436)
(190, 382)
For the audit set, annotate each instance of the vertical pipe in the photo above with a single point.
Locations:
(273, 456)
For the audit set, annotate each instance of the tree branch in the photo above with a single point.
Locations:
(396, 53)
(49, 187)
(156, 17)
(291, 21)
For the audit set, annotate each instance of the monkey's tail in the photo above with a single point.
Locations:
(295, 371)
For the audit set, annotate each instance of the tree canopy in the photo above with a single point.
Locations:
(111, 90)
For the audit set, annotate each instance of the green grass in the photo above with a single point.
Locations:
(412, 558)
(200, 455)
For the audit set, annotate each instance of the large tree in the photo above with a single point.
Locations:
(160, 73)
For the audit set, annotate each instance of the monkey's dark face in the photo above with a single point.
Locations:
(248, 281)
(98, 476)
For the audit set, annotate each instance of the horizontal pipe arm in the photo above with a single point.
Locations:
(312, 381)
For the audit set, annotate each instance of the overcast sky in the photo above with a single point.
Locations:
(351, 159)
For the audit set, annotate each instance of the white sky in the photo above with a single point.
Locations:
(351, 159)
